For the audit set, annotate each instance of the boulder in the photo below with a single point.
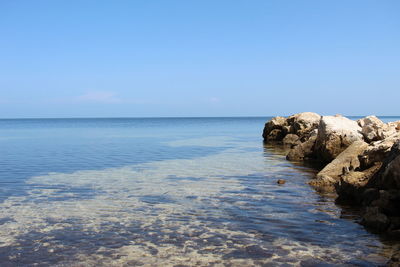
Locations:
(375, 220)
(303, 150)
(352, 186)
(275, 135)
(345, 162)
(394, 260)
(335, 134)
(291, 140)
(275, 123)
(395, 125)
(370, 120)
(390, 171)
(373, 129)
(378, 151)
(303, 123)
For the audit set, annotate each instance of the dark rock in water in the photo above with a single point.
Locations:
(291, 140)
(351, 186)
(274, 124)
(275, 135)
(281, 181)
(255, 251)
(302, 151)
(375, 220)
(395, 260)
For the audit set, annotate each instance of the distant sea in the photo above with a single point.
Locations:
(166, 192)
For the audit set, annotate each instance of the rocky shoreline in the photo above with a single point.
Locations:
(361, 162)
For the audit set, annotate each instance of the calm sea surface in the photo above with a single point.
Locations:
(166, 192)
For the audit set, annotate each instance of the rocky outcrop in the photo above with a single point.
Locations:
(344, 163)
(291, 140)
(273, 129)
(351, 186)
(335, 134)
(362, 161)
(303, 150)
(300, 124)
(373, 129)
(303, 123)
(395, 260)
(378, 151)
(390, 172)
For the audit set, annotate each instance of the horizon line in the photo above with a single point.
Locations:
(177, 117)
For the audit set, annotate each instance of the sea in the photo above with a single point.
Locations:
(167, 192)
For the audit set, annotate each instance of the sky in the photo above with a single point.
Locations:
(198, 58)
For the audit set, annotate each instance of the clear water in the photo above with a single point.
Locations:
(171, 192)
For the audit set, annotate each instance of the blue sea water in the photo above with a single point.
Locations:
(166, 191)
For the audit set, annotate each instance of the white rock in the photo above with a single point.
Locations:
(335, 134)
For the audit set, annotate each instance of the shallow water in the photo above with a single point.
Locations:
(172, 192)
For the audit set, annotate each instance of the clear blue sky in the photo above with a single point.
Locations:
(198, 58)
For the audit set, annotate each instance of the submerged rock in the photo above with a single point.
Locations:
(281, 181)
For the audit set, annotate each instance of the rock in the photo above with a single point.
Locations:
(388, 176)
(291, 140)
(303, 150)
(375, 220)
(275, 123)
(378, 151)
(344, 163)
(373, 129)
(287, 129)
(369, 195)
(370, 120)
(388, 203)
(275, 135)
(304, 123)
(335, 134)
(394, 224)
(395, 125)
(394, 260)
(300, 124)
(351, 186)
(281, 181)
(391, 176)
